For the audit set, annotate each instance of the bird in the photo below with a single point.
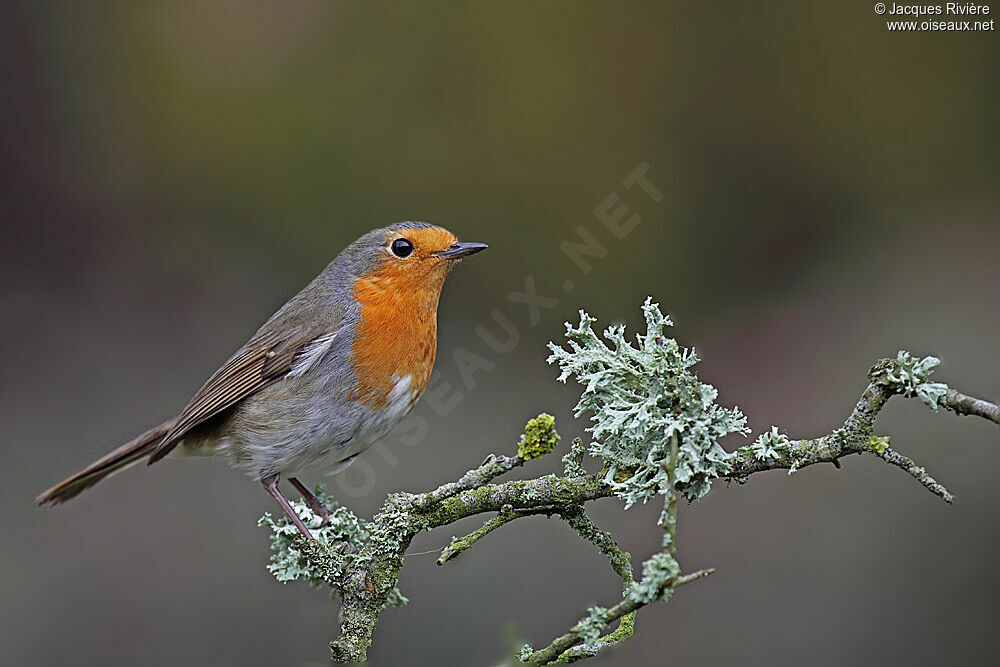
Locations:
(323, 379)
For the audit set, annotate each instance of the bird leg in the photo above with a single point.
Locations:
(271, 484)
(311, 498)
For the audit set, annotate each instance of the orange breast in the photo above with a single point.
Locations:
(397, 334)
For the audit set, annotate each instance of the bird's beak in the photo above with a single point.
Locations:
(456, 250)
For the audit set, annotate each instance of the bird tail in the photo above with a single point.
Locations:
(108, 464)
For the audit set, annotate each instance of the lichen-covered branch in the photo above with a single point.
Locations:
(506, 515)
(519, 495)
(620, 562)
(660, 577)
(655, 431)
(490, 469)
(903, 376)
(892, 457)
(562, 645)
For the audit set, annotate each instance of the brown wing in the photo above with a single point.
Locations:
(265, 359)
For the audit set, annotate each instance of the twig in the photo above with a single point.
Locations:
(670, 503)
(961, 404)
(620, 561)
(488, 470)
(855, 437)
(628, 605)
(519, 494)
(506, 515)
(893, 457)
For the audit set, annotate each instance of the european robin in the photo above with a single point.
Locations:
(323, 379)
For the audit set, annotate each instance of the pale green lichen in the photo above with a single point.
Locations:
(338, 541)
(525, 653)
(343, 530)
(657, 572)
(589, 629)
(540, 437)
(573, 461)
(396, 599)
(908, 375)
(641, 396)
(769, 445)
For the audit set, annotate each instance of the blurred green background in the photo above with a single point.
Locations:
(172, 172)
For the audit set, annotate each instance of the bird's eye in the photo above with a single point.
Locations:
(402, 247)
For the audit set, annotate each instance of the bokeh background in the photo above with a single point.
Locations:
(172, 172)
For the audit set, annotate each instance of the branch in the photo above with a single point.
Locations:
(490, 469)
(889, 455)
(361, 561)
(366, 578)
(506, 515)
(621, 563)
(556, 649)
(961, 404)
(856, 436)
(557, 492)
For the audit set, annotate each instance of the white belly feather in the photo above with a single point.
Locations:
(373, 427)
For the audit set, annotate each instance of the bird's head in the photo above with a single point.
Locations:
(405, 262)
